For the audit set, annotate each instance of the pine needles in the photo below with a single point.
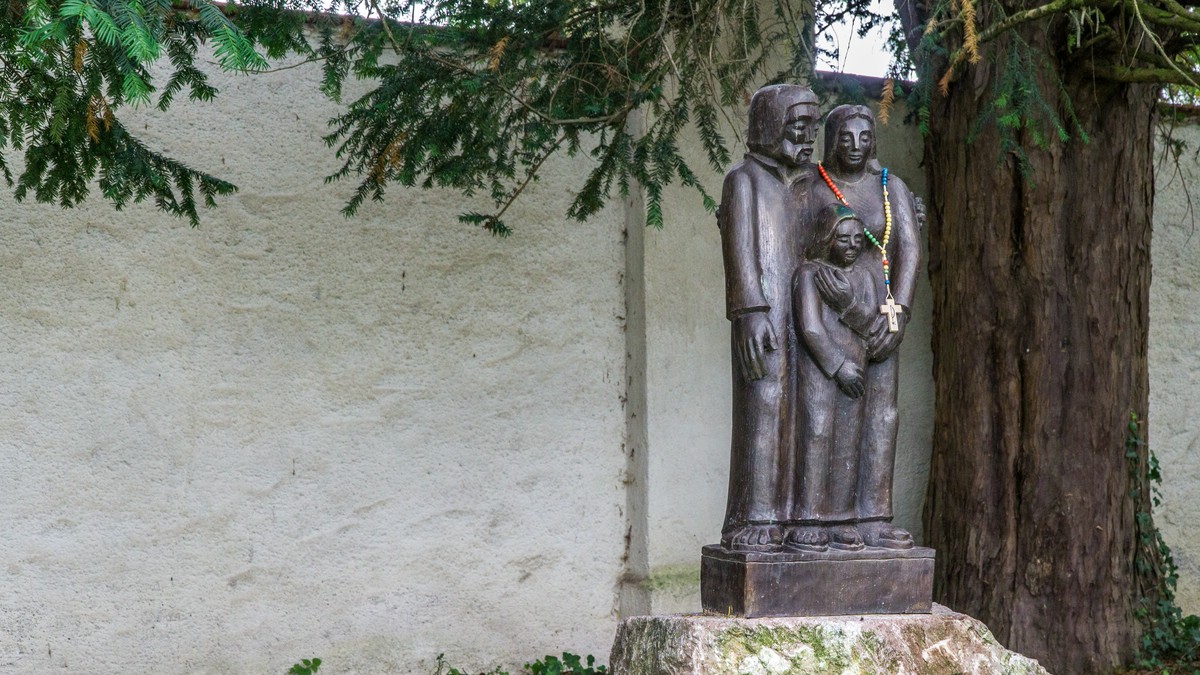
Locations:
(471, 95)
(69, 66)
(478, 95)
(482, 102)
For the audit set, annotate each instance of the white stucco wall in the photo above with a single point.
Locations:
(1174, 421)
(286, 434)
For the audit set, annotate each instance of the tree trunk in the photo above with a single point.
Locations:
(1041, 297)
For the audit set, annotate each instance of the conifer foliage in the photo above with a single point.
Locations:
(473, 95)
(69, 67)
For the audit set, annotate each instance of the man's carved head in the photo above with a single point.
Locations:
(783, 123)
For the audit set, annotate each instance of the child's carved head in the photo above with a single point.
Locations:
(841, 236)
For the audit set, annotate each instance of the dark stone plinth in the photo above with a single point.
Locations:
(870, 581)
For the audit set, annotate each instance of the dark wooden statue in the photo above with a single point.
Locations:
(762, 202)
(820, 266)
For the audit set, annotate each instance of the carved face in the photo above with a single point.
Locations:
(855, 143)
(847, 242)
(783, 123)
(799, 134)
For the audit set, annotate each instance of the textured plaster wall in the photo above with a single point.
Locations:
(286, 434)
(688, 375)
(1174, 423)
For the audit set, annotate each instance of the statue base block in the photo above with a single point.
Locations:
(940, 642)
(870, 581)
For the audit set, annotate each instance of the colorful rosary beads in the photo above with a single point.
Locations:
(887, 222)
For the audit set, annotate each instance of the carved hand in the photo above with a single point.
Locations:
(850, 380)
(834, 288)
(883, 343)
(753, 336)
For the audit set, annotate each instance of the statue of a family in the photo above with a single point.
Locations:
(821, 260)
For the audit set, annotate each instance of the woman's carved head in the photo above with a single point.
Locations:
(850, 139)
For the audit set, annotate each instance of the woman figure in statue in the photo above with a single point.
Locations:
(884, 205)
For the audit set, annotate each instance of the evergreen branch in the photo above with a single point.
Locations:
(965, 51)
(1158, 45)
(478, 102)
(1168, 18)
(577, 121)
(1016, 19)
(1121, 73)
(293, 66)
(383, 21)
(529, 177)
(466, 70)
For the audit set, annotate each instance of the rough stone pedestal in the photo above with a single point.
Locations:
(868, 581)
(940, 643)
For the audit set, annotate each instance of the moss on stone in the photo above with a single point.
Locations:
(804, 649)
(937, 644)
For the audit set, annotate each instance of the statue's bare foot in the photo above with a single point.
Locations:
(882, 534)
(807, 538)
(766, 538)
(845, 537)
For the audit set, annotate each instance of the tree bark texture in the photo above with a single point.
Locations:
(1041, 298)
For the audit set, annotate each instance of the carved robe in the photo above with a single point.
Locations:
(830, 422)
(763, 219)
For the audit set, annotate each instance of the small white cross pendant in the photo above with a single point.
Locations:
(892, 310)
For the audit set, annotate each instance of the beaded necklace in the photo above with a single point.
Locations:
(890, 308)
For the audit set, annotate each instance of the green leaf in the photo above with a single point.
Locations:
(135, 89)
(71, 9)
(103, 26)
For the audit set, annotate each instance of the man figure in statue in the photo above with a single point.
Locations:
(764, 206)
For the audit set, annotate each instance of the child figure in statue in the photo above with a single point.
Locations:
(831, 403)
